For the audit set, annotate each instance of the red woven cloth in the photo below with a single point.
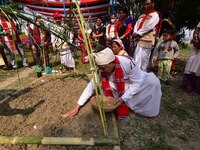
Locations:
(123, 109)
(119, 76)
(144, 18)
(8, 30)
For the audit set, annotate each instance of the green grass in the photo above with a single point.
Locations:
(178, 124)
(9, 72)
(159, 145)
(55, 63)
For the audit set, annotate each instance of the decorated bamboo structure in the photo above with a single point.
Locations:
(98, 90)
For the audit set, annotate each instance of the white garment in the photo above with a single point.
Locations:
(142, 90)
(111, 34)
(193, 63)
(142, 56)
(147, 27)
(67, 58)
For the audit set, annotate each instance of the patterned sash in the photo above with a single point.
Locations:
(119, 76)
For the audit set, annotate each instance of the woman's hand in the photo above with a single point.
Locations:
(33, 48)
(72, 112)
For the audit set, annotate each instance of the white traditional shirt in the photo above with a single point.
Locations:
(142, 90)
(111, 33)
(147, 27)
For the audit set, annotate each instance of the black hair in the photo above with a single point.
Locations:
(152, 1)
(113, 14)
(169, 31)
(99, 17)
(38, 17)
(125, 10)
(113, 41)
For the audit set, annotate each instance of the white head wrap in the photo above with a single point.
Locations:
(104, 57)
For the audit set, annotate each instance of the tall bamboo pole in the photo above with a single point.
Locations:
(97, 84)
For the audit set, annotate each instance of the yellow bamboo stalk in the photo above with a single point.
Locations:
(58, 140)
(97, 87)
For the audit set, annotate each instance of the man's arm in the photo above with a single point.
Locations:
(150, 25)
(128, 31)
(87, 93)
(135, 78)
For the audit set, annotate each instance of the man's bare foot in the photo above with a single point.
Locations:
(74, 70)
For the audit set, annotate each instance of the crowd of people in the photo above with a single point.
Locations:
(124, 52)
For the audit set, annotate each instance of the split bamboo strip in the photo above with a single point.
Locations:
(59, 140)
(115, 131)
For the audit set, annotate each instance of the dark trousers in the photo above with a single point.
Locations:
(4, 56)
(37, 55)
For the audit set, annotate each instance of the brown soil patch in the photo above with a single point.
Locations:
(37, 112)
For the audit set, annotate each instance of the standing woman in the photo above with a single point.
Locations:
(124, 28)
(110, 29)
(98, 34)
(191, 78)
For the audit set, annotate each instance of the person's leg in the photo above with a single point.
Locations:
(73, 49)
(138, 55)
(145, 58)
(4, 57)
(46, 55)
(20, 50)
(196, 88)
(160, 69)
(37, 55)
(166, 71)
(186, 83)
(12, 55)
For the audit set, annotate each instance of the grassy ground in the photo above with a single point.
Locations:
(55, 62)
(176, 127)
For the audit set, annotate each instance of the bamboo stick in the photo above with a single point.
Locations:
(97, 85)
(59, 140)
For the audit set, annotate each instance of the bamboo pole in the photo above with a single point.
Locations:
(97, 85)
(59, 140)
